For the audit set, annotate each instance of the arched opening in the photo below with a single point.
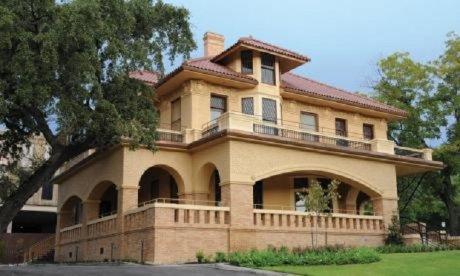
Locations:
(215, 193)
(106, 194)
(71, 212)
(286, 191)
(159, 183)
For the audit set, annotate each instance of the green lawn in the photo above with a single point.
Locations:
(420, 264)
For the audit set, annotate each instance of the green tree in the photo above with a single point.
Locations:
(430, 94)
(64, 74)
(318, 200)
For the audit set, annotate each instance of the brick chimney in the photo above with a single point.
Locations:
(213, 44)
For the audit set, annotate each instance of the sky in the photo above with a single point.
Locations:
(344, 39)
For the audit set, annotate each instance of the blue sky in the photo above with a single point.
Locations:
(344, 39)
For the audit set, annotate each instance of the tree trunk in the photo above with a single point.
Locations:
(13, 204)
(454, 217)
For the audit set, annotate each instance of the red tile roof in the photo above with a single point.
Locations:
(147, 76)
(290, 81)
(249, 41)
(205, 65)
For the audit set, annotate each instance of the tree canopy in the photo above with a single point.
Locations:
(430, 92)
(64, 74)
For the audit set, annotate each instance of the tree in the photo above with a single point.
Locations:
(317, 201)
(64, 74)
(430, 94)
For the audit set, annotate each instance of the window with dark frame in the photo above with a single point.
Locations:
(176, 115)
(268, 69)
(47, 191)
(269, 113)
(300, 186)
(368, 131)
(247, 105)
(246, 62)
(218, 106)
(341, 127)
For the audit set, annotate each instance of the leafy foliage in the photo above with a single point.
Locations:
(64, 74)
(316, 198)
(394, 236)
(320, 256)
(414, 248)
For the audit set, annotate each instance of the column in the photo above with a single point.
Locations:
(385, 207)
(9, 228)
(90, 211)
(127, 200)
(239, 197)
(350, 204)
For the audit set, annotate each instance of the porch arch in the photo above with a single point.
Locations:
(211, 176)
(152, 183)
(71, 211)
(105, 195)
(352, 180)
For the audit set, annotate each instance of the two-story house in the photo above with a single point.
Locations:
(240, 136)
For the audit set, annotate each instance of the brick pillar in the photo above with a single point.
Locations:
(386, 207)
(350, 201)
(90, 211)
(127, 200)
(239, 197)
(58, 238)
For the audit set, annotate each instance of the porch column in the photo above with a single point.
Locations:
(385, 207)
(239, 197)
(57, 238)
(350, 202)
(90, 211)
(127, 200)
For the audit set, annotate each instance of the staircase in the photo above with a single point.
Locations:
(41, 251)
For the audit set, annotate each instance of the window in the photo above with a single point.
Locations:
(340, 127)
(368, 131)
(246, 62)
(47, 191)
(269, 113)
(247, 106)
(341, 130)
(308, 121)
(77, 211)
(173, 191)
(218, 106)
(268, 69)
(217, 188)
(300, 186)
(257, 194)
(176, 115)
(154, 189)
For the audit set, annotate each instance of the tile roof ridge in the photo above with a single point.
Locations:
(198, 59)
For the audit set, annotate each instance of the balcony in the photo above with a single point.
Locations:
(292, 131)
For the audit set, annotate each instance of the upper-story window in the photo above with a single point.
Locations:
(368, 131)
(47, 191)
(246, 62)
(218, 106)
(247, 105)
(308, 121)
(269, 113)
(268, 69)
(176, 115)
(340, 127)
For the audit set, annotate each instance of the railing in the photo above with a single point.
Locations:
(103, 226)
(409, 152)
(71, 233)
(170, 135)
(293, 208)
(273, 219)
(310, 137)
(181, 201)
(40, 249)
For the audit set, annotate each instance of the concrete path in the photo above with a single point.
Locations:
(127, 269)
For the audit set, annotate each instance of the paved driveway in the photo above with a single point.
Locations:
(125, 269)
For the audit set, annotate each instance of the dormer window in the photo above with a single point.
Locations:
(246, 62)
(268, 69)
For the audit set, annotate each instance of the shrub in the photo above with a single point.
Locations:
(394, 232)
(199, 256)
(220, 257)
(415, 248)
(318, 256)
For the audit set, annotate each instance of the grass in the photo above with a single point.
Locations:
(433, 263)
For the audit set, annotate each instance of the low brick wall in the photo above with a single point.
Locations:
(174, 233)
